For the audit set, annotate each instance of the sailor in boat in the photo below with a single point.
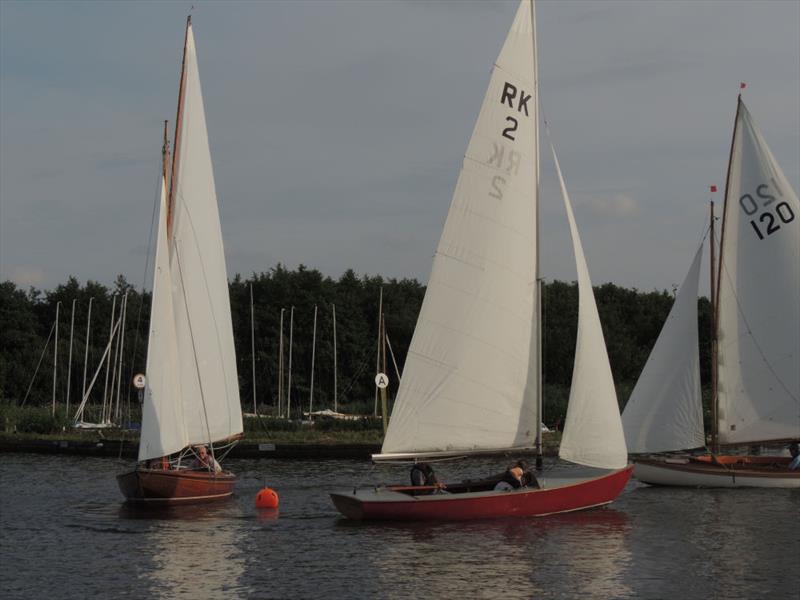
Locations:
(204, 460)
(422, 475)
(517, 476)
(794, 450)
(528, 478)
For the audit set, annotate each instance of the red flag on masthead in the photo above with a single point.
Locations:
(742, 85)
(713, 188)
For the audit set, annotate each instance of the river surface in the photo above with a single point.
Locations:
(65, 533)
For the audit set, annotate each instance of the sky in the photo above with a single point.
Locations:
(337, 128)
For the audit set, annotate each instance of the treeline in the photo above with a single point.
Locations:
(631, 321)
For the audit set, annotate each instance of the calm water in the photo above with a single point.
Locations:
(66, 534)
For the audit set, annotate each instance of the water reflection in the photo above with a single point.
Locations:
(588, 549)
(192, 550)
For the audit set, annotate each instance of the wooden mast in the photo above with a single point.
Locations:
(165, 156)
(713, 298)
(715, 391)
(177, 138)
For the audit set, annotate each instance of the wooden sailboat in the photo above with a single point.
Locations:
(471, 383)
(756, 341)
(191, 396)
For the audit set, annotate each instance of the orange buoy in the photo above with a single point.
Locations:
(267, 498)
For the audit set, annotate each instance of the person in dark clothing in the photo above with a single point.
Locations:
(422, 474)
(528, 478)
(513, 477)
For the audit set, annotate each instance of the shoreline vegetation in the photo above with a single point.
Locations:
(35, 429)
(36, 374)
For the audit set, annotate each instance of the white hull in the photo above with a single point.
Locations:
(686, 474)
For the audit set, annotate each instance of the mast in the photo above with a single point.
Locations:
(177, 138)
(289, 385)
(123, 316)
(715, 392)
(384, 399)
(378, 357)
(55, 359)
(537, 274)
(713, 299)
(280, 367)
(253, 349)
(165, 156)
(108, 356)
(313, 359)
(86, 349)
(335, 367)
(69, 362)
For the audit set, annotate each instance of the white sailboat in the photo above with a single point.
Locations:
(191, 398)
(472, 379)
(757, 303)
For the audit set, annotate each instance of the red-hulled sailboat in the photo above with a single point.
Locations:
(755, 373)
(471, 383)
(191, 397)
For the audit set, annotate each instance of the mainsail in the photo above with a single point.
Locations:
(593, 433)
(197, 401)
(665, 412)
(470, 379)
(759, 296)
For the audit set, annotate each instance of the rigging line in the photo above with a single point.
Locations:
(194, 349)
(366, 356)
(752, 335)
(159, 182)
(394, 362)
(195, 239)
(39, 364)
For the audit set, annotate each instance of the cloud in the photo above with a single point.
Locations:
(619, 205)
(26, 276)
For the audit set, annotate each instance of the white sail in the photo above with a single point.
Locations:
(469, 380)
(665, 410)
(162, 412)
(207, 360)
(593, 433)
(759, 296)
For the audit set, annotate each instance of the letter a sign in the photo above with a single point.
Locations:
(381, 380)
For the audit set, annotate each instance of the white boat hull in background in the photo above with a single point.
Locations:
(686, 472)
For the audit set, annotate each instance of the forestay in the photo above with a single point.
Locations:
(207, 405)
(664, 411)
(593, 433)
(470, 379)
(759, 296)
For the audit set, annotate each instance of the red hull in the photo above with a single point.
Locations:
(162, 486)
(392, 504)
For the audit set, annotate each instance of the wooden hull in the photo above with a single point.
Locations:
(722, 471)
(162, 486)
(395, 503)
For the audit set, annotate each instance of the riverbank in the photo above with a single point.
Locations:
(316, 445)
